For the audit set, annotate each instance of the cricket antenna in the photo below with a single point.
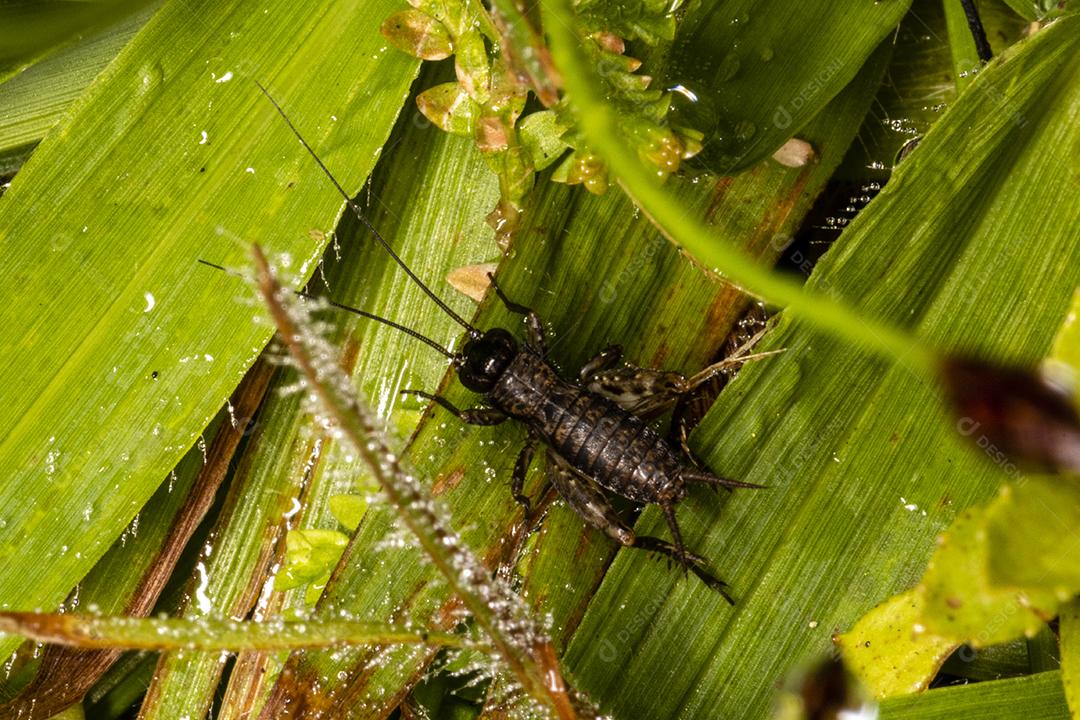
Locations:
(356, 311)
(473, 332)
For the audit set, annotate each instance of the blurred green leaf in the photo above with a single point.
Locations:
(1066, 348)
(35, 100)
(1069, 629)
(31, 29)
(961, 600)
(348, 509)
(1031, 537)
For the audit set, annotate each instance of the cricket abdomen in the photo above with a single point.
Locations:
(594, 435)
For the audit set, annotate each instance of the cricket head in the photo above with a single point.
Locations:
(484, 359)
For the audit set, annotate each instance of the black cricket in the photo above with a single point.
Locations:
(595, 427)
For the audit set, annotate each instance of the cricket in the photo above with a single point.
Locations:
(595, 428)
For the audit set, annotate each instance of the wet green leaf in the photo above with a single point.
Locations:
(35, 100)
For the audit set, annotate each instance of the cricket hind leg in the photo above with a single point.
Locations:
(587, 500)
(689, 561)
(534, 328)
(695, 562)
(715, 481)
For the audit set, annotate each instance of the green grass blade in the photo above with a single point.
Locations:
(123, 346)
(206, 634)
(30, 31)
(965, 58)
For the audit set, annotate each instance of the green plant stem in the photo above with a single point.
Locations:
(598, 122)
(129, 633)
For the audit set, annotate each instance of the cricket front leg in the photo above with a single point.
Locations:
(534, 328)
(470, 416)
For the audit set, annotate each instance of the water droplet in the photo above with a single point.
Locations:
(729, 67)
(745, 130)
(202, 598)
(152, 77)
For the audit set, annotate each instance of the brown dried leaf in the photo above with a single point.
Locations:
(472, 280)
